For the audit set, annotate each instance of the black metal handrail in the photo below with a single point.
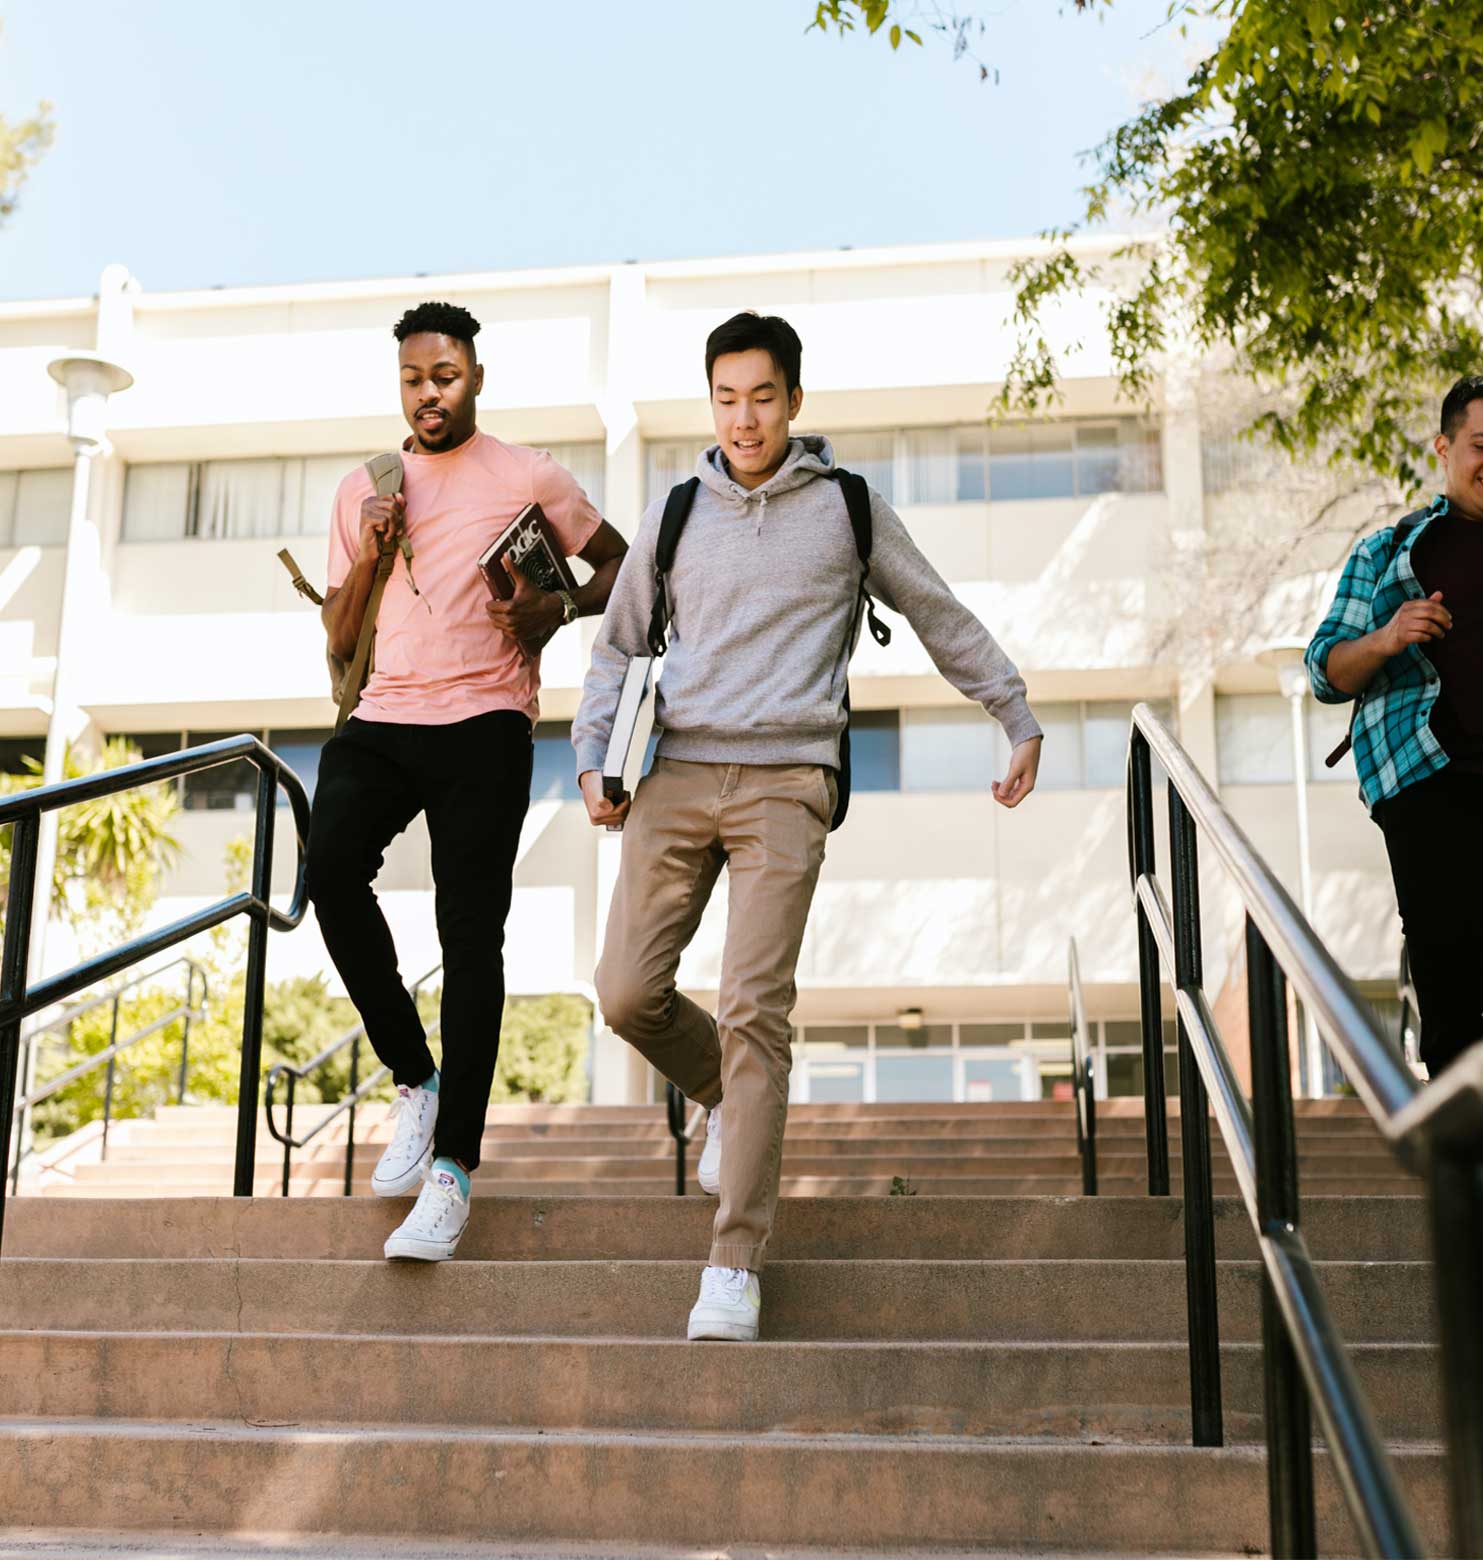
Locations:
(18, 1000)
(1438, 1131)
(357, 1091)
(184, 1012)
(1083, 1078)
(680, 1130)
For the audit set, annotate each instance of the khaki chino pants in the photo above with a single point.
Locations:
(767, 824)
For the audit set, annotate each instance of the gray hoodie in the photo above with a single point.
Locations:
(764, 594)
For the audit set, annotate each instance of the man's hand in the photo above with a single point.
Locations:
(1024, 765)
(600, 811)
(1415, 623)
(381, 519)
(530, 614)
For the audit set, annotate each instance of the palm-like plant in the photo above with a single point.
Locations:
(110, 852)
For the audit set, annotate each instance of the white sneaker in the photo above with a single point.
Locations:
(431, 1232)
(708, 1171)
(410, 1151)
(729, 1307)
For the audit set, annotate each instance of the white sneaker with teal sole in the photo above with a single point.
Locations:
(708, 1171)
(431, 1232)
(729, 1308)
(410, 1151)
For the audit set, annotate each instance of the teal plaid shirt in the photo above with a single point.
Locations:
(1393, 742)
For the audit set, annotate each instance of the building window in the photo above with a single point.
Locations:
(226, 500)
(962, 749)
(588, 463)
(34, 507)
(233, 787)
(554, 766)
(869, 455)
(875, 750)
(1253, 740)
(670, 462)
(19, 755)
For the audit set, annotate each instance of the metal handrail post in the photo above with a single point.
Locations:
(675, 1106)
(1290, 1511)
(350, 1129)
(288, 1146)
(108, 1077)
(1457, 1229)
(185, 1031)
(1150, 984)
(1194, 1128)
(257, 970)
(19, 900)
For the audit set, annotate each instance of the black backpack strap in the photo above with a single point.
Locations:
(676, 512)
(1403, 528)
(857, 500)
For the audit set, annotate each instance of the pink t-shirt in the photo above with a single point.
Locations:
(438, 657)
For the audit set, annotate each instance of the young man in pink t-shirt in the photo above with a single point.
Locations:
(444, 728)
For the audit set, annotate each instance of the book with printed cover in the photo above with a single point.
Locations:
(632, 723)
(529, 544)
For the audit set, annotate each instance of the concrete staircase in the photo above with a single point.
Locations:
(988, 1374)
(999, 1149)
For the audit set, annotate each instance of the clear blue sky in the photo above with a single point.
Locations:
(216, 142)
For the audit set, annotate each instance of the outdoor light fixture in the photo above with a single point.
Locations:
(909, 1019)
(88, 380)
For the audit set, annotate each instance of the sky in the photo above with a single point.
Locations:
(231, 144)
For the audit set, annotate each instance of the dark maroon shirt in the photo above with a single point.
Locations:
(1448, 556)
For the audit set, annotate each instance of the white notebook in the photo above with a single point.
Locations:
(632, 725)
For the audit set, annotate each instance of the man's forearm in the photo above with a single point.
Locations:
(1353, 662)
(592, 598)
(345, 610)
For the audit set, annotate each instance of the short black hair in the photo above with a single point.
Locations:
(745, 331)
(438, 319)
(1457, 400)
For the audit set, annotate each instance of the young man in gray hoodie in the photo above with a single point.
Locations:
(764, 596)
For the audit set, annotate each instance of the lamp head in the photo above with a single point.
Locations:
(88, 380)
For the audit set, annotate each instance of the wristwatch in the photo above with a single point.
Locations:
(569, 613)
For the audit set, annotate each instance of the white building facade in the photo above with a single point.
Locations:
(935, 965)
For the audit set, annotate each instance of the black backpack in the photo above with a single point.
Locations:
(857, 502)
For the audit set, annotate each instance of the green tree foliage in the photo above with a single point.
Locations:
(110, 852)
(1319, 179)
(543, 1050)
(22, 141)
(1316, 188)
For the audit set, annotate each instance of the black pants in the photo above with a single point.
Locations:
(1434, 836)
(472, 779)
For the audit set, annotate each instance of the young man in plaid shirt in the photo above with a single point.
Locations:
(1404, 636)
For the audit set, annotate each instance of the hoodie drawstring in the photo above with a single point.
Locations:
(761, 510)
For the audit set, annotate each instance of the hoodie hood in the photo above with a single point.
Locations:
(808, 457)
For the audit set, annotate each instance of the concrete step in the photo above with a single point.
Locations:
(1130, 1393)
(1335, 1153)
(596, 1229)
(56, 1544)
(642, 1487)
(371, 1125)
(1014, 1301)
(520, 1166)
(795, 1186)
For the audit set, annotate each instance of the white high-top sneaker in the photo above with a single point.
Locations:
(708, 1171)
(410, 1151)
(431, 1232)
(729, 1308)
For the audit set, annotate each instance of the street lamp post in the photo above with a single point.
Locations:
(89, 380)
(1286, 657)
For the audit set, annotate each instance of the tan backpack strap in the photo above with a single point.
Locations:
(304, 588)
(386, 473)
(355, 676)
